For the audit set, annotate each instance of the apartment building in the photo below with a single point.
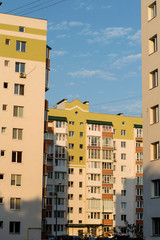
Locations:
(94, 171)
(151, 101)
(24, 79)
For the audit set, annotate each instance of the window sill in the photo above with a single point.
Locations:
(152, 52)
(155, 197)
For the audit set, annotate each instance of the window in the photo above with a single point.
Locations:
(1, 176)
(94, 141)
(107, 154)
(70, 196)
(106, 165)
(123, 123)
(59, 214)
(139, 216)
(3, 129)
(18, 89)
(80, 196)
(153, 47)
(14, 227)
(71, 158)
(107, 179)
(16, 156)
(71, 146)
(155, 188)
(80, 159)
(1, 224)
(152, 11)
(123, 168)
(81, 123)
(48, 214)
(60, 124)
(59, 188)
(20, 46)
(80, 221)
(50, 175)
(154, 114)
(139, 204)
(60, 152)
(156, 226)
(5, 85)
(153, 79)
(17, 111)
(123, 156)
(71, 133)
(70, 209)
(140, 180)
(15, 180)
(123, 205)
(70, 184)
(107, 129)
(139, 192)
(81, 146)
(155, 151)
(123, 192)
(70, 170)
(2, 153)
(7, 41)
(6, 63)
(123, 180)
(21, 29)
(1, 200)
(93, 153)
(15, 203)
(4, 107)
(80, 210)
(80, 171)
(81, 134)
(20, 67)
(123, 144)
(80, 184)
(95, 215)
(107, 190)
(71, 123)
(48, 228)
(123, 132)
(139, 168)
(106, 142)
(17, 133)
(139, 156)
(123, 217)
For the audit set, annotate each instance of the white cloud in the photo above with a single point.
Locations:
(135, 107)
(61, 36)
(104, 35)
(126, 60)
(59, 26)
(75, 24)
(64, 25)
(136, 38)
(59, 53)
(91, 73)
(71, 83)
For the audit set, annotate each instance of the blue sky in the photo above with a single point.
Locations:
(96, 51)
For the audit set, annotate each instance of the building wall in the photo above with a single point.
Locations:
(108, 205)
(31, 145)
(150, 94)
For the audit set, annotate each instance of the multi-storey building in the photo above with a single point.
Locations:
(151, 101)
(94, 168)
(24, 79)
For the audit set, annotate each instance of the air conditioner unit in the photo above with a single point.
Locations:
(22, 75)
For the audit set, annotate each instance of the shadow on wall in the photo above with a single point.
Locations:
(21, 219)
